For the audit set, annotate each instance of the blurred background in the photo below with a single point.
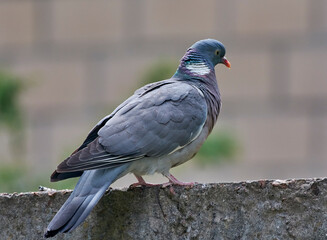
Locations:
(65, 64)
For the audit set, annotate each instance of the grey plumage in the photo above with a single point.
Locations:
(161, 126)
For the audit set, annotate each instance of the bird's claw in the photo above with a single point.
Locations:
(175, 181)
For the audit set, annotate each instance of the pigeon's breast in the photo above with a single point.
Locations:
(151, 165)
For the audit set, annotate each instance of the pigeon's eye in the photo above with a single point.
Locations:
(217, 52)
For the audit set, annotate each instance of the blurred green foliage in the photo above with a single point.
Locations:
(160, 70)
(10, 112)
(220, 146)
(9, 178)
(19, 178)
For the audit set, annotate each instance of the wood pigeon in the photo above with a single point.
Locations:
(159, 127)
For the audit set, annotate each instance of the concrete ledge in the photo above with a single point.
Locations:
(290, 209)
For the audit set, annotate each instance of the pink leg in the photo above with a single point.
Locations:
(175, 181)
(141, 182)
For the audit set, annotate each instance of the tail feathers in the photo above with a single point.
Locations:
(87, 193)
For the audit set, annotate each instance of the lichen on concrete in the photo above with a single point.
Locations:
(265, 209)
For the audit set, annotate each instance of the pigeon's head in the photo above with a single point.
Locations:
(212, 50)
(200, 59)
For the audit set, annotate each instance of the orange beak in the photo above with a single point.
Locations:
(226, 62)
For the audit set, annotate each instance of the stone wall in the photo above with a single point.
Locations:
(291, 209)
(82, 58)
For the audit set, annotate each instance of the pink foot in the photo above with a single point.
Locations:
(175, 181)
(141, 183)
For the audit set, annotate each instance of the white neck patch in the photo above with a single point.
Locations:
(198, 68)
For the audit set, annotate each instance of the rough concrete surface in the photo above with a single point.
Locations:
(266, 209)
